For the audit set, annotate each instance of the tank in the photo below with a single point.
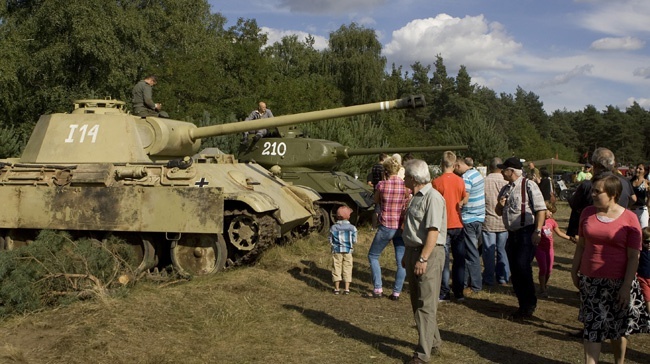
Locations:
(314, 163)
(100, 171)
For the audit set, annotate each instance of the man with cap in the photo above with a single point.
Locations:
(522, 208)
(585, 173)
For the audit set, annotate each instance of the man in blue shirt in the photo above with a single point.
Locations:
(473, 214)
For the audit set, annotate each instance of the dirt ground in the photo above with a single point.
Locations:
(282, 311)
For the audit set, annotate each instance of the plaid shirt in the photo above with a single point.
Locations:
(493, 223)
(343, 236)
(393, 201)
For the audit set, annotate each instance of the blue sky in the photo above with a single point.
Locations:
(571, 53)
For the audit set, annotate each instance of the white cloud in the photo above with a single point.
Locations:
(330, 6)
(276, 35)
(469, 41)
(615, 44)
(366, 21)
(642, 72)
(620, 17)
(566, 77)
(643, 102)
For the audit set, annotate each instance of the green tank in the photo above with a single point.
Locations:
(99, 170)
(314, 163)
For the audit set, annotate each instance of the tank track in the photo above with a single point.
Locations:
(266, 237)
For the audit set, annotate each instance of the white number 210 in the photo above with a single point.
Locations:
(81, 132)
(274, 148)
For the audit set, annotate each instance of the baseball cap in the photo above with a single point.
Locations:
(512, 162)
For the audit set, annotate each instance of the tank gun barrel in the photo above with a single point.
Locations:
(348, 152)
(414, 101)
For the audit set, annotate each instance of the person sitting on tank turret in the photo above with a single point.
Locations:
(143, 104)
(260, 113)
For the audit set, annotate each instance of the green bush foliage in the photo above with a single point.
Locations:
(55, 270)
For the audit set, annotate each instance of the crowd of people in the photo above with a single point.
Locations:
(506, 219)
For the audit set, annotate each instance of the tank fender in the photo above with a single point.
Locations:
(258, 202)
(305, 195)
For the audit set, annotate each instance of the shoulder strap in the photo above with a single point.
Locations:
(524, 188)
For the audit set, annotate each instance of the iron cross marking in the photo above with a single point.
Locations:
(202, 182)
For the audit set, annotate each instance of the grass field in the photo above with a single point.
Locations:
(282, 311)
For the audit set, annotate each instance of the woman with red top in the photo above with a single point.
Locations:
(604, 267)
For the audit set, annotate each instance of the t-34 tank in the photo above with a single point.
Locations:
(100, 171)
(313, 163)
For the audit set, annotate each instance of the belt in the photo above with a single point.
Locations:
(419, 248)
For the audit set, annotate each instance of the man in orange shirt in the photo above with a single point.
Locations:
(452, 188)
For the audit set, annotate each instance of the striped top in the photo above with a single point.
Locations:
(474, 185)
(343, 236)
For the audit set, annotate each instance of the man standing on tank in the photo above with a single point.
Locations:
(143, 104)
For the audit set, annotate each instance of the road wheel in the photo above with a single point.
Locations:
(199, 254)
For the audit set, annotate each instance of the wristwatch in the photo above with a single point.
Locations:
(422, 260)
(538, 231)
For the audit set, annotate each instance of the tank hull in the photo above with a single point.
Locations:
(241, 205)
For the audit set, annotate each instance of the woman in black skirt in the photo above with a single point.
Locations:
(604, 266)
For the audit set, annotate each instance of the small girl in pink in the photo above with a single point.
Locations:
(545, 254)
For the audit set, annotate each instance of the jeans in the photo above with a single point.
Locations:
(458, 266)
(495, 242)
(471, 233)
(455, 236)
(383, 236)
(521, 252)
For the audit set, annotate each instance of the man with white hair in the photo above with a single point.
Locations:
(522, 208)
(604, 162)
(425, 235)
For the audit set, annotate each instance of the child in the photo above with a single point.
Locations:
(343, 236)
(544, 253)
(643, 272)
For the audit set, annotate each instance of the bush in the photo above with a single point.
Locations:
(55, 270)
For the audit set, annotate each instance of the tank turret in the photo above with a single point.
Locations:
(99, 131)
(100, 171)
(314, 162)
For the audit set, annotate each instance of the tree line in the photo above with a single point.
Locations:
(56, 51)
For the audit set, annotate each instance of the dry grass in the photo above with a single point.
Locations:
(282, 311)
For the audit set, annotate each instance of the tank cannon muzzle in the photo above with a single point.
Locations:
(414, 101)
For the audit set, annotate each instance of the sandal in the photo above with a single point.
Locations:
(346, 292)
(373, 295)
(336, 291)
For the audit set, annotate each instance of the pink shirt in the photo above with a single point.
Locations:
(606, 243)
(546, 241)
(393, 201)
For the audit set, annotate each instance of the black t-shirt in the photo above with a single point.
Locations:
(545, 188)
(377, 174)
